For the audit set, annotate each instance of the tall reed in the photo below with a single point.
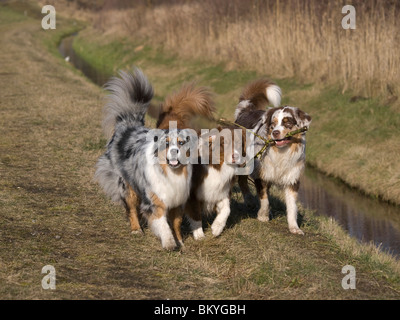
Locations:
(281, 38)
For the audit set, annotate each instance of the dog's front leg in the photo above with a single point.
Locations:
(132, 204)
(193, 210)
(262, 191)
(291, 208)
(175, 215)
(223, 211)
(158, 224)
(244, 188)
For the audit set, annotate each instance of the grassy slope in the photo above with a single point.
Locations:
(53, 213)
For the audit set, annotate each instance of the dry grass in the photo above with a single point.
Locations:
(289, 38)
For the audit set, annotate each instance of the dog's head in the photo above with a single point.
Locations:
(223, 145)
(173, 148)
(280, 121)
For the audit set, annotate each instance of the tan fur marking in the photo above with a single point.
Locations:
(175, 216)
(295, 187)
(184, 104)
(132, 202)
(255, 92)
(160, 208)
(164, 168)
(262, 188)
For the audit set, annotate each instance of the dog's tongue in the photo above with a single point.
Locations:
(173, 162)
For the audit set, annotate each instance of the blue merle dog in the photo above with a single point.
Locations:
(147, 173)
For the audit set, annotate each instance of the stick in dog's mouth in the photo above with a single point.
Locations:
(281, 142)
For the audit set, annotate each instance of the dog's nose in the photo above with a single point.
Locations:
(174, 151)
(275, 133)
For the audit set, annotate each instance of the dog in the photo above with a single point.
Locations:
(212, 181)
(143, 170)
(283, 161)
(219, 156)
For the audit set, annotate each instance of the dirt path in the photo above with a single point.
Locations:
(52, 213)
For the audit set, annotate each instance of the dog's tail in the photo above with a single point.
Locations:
(129, 98)
(185, 105)
(257, 95)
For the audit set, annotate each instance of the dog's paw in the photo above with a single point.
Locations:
(296, 230)
(263, 216)
(137, 232)
(198, 234)
(217, 228)
(181, 246)
(169, 244)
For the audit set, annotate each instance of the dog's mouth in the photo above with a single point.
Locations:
(282, 142)
(173, 163)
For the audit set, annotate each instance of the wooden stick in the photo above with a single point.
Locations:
(267, 142)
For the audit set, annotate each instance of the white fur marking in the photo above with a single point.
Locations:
(223, 211)
(161, 229)
(197, 228)
(215, 187)
(274, 95)
(263, 213)
(171, 188)
(241, 106)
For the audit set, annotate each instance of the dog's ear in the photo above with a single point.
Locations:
(267, 117)
(303, 118)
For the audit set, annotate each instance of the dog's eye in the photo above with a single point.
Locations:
(181, 143)
(167, 143)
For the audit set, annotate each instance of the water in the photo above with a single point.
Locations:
(66, 50)
(364, 218)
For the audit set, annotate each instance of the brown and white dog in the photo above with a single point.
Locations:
(212, 182)
(218, 159)
(283, 161)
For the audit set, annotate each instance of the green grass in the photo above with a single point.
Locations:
(9, 15)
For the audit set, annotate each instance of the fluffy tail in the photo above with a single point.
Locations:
(129, 98)
(257, 94)
(186, 104)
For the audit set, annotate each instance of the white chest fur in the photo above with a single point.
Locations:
(283, 166)
(172, 187)
(216, 185)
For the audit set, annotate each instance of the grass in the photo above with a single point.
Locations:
(52, 212)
